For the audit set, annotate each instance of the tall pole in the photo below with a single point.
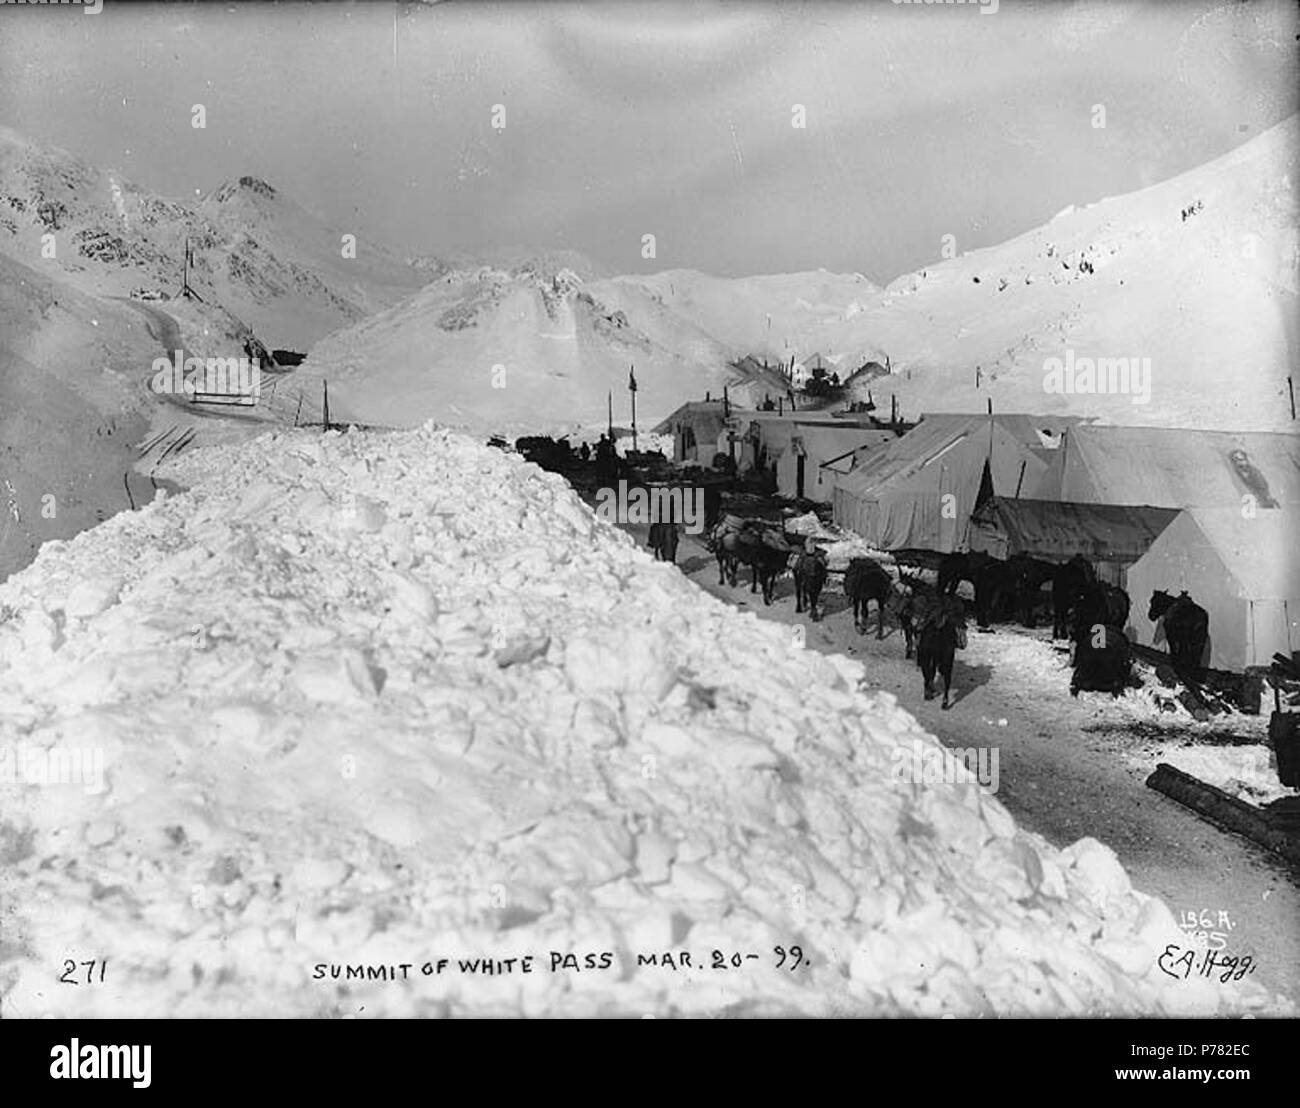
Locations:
(611, 415)
(631, 387)
(1290, 388)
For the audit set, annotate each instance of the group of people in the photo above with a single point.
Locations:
(606, 459)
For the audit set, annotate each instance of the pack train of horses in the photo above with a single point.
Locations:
(1089, 613)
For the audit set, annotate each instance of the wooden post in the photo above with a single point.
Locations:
(1291, 391)
(1021, 479)
(611, 415)
(325, 406)
(299, 411)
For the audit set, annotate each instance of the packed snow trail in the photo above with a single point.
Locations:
(1062, 778)
(387, 699)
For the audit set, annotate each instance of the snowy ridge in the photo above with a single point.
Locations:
(274, 265)
(1198, 273)
(522, 351)
(385, 699)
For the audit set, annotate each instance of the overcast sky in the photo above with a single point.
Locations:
(630, 119)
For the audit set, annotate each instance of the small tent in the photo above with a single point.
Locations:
(818, 453)
(1241, 569)
(921, 490)
(696, 428)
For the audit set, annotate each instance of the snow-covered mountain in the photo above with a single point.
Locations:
(777, 315)
(263, 258)
(529, 348)
(76, 354)
(71, 407)
(363, 700)
(1198, 273)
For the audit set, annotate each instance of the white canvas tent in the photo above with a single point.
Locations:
(920, 490)
(1243, 571)
(1168, 468)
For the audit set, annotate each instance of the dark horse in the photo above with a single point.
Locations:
(809, 577)
(663, 541)
(736, 541)
(866, 580)
(1070, 583)
(1103, 658)
(961, 566)
(906, 603)
(1187, 630)
(941, 623)
(723, 541)
(766, 564)
(1008, 587)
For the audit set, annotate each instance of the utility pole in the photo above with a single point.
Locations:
(631, 387)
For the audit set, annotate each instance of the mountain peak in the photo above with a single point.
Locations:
(254, 185)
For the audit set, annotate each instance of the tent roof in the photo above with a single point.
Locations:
(1258, 552)
(697, 413)
(1057, 530)
(824, 442)
(937, 435)
(1173, 468)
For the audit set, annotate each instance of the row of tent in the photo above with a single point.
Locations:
(807, 452)
(1212, 512)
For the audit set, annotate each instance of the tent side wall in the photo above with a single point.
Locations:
(821, 444)
(1183, 558)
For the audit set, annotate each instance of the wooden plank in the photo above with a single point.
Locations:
(242, 400)
(1224, 811)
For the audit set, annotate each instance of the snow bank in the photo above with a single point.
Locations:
(373, 700)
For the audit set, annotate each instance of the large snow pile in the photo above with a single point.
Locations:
(373, 700)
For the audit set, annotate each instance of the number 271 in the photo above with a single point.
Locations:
(70, 967)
